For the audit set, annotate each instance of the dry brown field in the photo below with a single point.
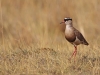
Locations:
(32, 42)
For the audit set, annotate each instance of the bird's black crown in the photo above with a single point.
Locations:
(67, 19)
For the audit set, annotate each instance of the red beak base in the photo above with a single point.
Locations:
(62, 22)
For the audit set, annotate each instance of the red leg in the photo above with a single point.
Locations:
(74, 53)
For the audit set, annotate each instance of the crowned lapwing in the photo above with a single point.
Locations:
(73, 35)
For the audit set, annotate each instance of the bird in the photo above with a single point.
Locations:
(73, 36)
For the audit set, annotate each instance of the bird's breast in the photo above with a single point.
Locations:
(69, 35)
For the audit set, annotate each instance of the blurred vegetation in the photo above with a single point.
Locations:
(31, 24)
(31, 20)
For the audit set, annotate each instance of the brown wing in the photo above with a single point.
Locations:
(80, 37)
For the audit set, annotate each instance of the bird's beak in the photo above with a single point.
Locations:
(62, 22)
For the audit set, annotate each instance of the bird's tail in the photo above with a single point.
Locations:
(85, 42)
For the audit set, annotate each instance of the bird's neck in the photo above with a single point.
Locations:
(68, 26)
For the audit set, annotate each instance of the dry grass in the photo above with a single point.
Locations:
(32, 40)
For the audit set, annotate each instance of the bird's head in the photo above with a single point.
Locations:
(67, 20)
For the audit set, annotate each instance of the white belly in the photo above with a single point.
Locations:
(77, 41)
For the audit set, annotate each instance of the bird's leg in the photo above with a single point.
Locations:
(74, 53)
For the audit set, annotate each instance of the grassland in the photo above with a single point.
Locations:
(32, 40)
